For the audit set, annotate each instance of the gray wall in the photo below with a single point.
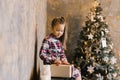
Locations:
(18, 22)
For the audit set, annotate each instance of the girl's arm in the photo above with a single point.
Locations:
(63, 57)
(44, 53)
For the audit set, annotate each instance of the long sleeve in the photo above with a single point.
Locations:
(62, 55)
(45, 54)
(51, 50)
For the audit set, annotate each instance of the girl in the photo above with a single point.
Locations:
(52, 51)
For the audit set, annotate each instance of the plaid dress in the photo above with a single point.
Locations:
(51, 50)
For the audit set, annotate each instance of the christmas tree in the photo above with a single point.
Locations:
(94, 55)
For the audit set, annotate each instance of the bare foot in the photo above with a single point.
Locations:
(78, 78)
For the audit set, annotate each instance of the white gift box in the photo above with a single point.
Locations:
(45, 72)
(61, 71)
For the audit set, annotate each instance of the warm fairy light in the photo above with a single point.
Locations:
(95, 4)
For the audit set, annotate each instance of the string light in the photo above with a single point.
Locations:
(95, 4)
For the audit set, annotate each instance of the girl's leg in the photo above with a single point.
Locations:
(78, 78)
(76, 74)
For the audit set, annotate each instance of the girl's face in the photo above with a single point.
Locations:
(58, 30)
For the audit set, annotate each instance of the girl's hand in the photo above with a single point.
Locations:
(57, 62)
(65, 62)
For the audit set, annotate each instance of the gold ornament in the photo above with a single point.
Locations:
(94, 63)
(93, 58)
(85, 42)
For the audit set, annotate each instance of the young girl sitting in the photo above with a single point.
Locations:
(52, 50)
